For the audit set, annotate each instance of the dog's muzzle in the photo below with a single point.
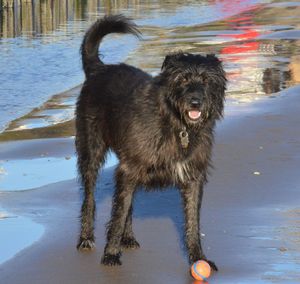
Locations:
(194, 113)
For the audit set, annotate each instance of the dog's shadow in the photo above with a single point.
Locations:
(164, 203)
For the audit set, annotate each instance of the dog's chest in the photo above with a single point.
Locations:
(161, 160)
(182, 172)
(167, 174)
(177, 162)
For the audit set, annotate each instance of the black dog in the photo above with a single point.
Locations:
(161, 129)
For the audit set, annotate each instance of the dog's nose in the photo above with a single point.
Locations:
(195, 102)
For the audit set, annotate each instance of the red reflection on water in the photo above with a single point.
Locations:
(243, 32)
(200, 282)
(245, 25)
(240, 48)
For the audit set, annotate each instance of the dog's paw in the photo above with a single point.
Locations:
(129, 243)
(85, 245)
(111, 259)
(195, 257)
(211, 264)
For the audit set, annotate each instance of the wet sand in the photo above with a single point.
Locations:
(250, 215)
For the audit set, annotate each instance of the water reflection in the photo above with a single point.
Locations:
(26, 174)
(12, 228)
(256, 39)
(257, 65)
(33, 18)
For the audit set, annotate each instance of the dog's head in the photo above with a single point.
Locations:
(196, 86)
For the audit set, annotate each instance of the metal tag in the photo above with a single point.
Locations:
(184, 139)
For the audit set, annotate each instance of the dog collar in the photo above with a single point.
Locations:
(184, 138)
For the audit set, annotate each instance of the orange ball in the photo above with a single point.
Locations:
(200, 270)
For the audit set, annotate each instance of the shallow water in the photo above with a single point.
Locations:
(34, 173)
(257, 40)
(26, 174)
(12, 227)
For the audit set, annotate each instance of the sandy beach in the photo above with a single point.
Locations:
(250, 215)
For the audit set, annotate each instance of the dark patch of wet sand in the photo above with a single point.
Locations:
(249, 216)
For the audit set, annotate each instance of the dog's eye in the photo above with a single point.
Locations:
(181, 79)
(204, 78)
(184, 80)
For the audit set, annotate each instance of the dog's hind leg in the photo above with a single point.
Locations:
(91, 151)
(192, 194)
(128, 240)
(122, 202)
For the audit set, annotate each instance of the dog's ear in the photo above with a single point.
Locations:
(170, 60)
(166, 63)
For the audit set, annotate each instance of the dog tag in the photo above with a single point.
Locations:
(184, 139)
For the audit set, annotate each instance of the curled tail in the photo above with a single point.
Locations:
(94, 35)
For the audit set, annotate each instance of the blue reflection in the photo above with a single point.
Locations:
(24, 174)
(12, 227)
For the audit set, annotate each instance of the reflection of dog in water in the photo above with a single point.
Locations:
(161, 129)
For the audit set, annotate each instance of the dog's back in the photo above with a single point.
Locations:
(108, 86)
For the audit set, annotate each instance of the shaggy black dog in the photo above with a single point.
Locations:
(161, 129)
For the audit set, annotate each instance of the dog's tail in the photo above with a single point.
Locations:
(93, 37)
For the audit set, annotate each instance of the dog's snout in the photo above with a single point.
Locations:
(195, 102)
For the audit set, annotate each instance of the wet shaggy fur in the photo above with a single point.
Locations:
(161, 129)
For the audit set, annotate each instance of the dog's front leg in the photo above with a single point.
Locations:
(192, 193)
(121, 206)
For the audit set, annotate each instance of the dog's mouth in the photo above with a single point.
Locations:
(194, 114)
